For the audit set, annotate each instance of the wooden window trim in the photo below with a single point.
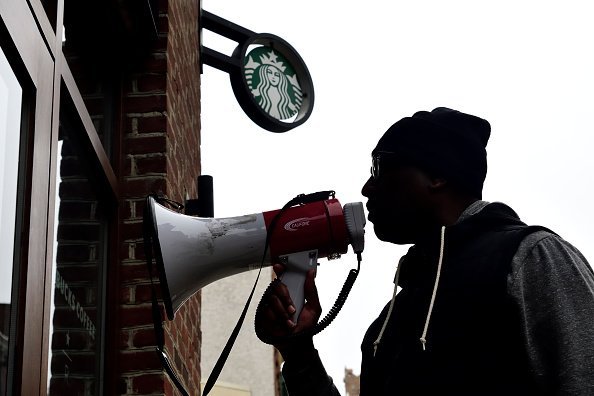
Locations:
(42, 69)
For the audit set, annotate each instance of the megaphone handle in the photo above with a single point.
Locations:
(297, 265)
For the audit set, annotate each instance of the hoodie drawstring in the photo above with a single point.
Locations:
(423, 338)
(381, 333)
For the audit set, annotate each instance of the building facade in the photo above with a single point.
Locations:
(99, 106)
(251, 365)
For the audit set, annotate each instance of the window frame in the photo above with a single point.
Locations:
(34, 50)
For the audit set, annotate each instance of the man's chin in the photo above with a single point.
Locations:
(389, 234)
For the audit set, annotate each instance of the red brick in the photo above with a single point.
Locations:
(132, 230)
(179, 363)
(145, 104)
(124, 339)
(143, 293)
(151, 83)
(122, 386)
(137, 315)
(148, 384)
(151, 165)
(133, 273)
(162, 24)
(135, 361)
(161, 43)
(128, 165)
(162, 7)
(132, 209)
(134, 249)
(140, 144)
(141, 187)
(143, 338)
(152, 124)
(157, 63)
(126, 294)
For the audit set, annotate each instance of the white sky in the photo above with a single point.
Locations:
(526, 66)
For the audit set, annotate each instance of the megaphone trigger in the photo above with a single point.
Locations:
(296, 267)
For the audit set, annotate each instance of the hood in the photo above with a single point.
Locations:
(422, 264)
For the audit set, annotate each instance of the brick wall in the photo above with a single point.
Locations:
(183, 163)
(161, 153)
(149, 108)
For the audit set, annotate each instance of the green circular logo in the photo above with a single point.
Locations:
(273, 82)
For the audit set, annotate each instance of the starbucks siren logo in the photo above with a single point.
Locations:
(273, 83)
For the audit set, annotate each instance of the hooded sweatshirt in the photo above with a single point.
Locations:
(503, 309)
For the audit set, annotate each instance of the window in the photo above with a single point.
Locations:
(58, 197)
(79, 265)
(10, 121)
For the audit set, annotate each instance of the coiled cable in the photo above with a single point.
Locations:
(322, 324)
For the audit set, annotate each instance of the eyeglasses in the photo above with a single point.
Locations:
(375, 162)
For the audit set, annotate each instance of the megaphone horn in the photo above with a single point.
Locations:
(192, 252)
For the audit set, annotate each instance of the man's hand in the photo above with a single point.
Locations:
(276, 311)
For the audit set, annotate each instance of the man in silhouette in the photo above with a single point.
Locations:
(488, 305)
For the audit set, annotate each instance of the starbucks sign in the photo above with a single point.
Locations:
(273, 82)
(273, 85)
(269, 79)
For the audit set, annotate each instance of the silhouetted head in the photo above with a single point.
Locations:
(426, 169)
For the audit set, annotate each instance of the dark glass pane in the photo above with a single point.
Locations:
(79, 263)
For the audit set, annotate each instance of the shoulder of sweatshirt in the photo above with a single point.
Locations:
(553, 286)
(545, 255)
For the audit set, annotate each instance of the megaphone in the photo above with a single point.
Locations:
(192, 252)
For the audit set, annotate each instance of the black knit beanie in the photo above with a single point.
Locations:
(443, 142)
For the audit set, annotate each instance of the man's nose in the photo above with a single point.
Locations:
(367, 187)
